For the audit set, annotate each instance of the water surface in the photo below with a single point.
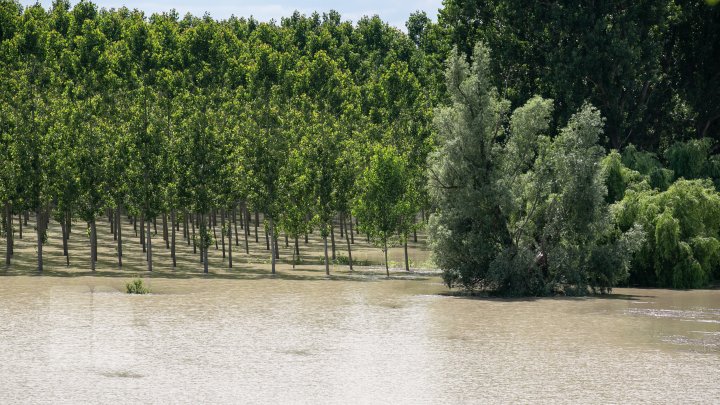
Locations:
(82, 339)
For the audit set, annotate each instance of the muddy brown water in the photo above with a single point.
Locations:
(82, 339)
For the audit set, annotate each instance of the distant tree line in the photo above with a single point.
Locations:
(552, 146)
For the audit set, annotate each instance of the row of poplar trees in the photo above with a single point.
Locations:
(111, 112)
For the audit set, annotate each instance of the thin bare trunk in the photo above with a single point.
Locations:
(347, 240)
(234, 220)
(172, 238)
(407, 260)
(272, 253)
(257, 221)
(387, 268)
(203, 244)
(192, 222)
(222, 231)
(352, 234)
(229, 235)
(327, 261)
(142, 232)
(119, 235)
(166, 235)
(93, 246)
(332, 238)
(39, 223)
(247, 229)
(149, 245)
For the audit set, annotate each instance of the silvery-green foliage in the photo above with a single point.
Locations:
(468, 229)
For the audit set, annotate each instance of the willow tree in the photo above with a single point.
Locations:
(468, 228)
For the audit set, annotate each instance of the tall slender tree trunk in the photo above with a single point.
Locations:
(352, 235)
(64, 237)
(39, 224)
(229, 235)
(342, 225)
(166, 235)
(118, 222)
(213, 222)
(257, 221)
(20, 225)
(172, 237)
(118, 227)
(286, 240)
(142, 232)
(222, 231)
(275, 242)
(93, 246)
(387, 268)
(192, 222)
(296, 253)
(95, 239)
(272, 253)
(327, 259)
(267, 238)
(347, 240)
(247, 229)
(234, 220)
(407, 260)
(149, 246)
(68, 223)
(8, 240)
(203, 244)
(332, 238)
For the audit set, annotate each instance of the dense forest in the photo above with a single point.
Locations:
(552, 147)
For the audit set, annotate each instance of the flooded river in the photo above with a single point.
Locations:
(82, 339)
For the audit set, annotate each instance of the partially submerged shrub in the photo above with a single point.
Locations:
(136, 287)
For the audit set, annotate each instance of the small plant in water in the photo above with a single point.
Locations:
(136, 287)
